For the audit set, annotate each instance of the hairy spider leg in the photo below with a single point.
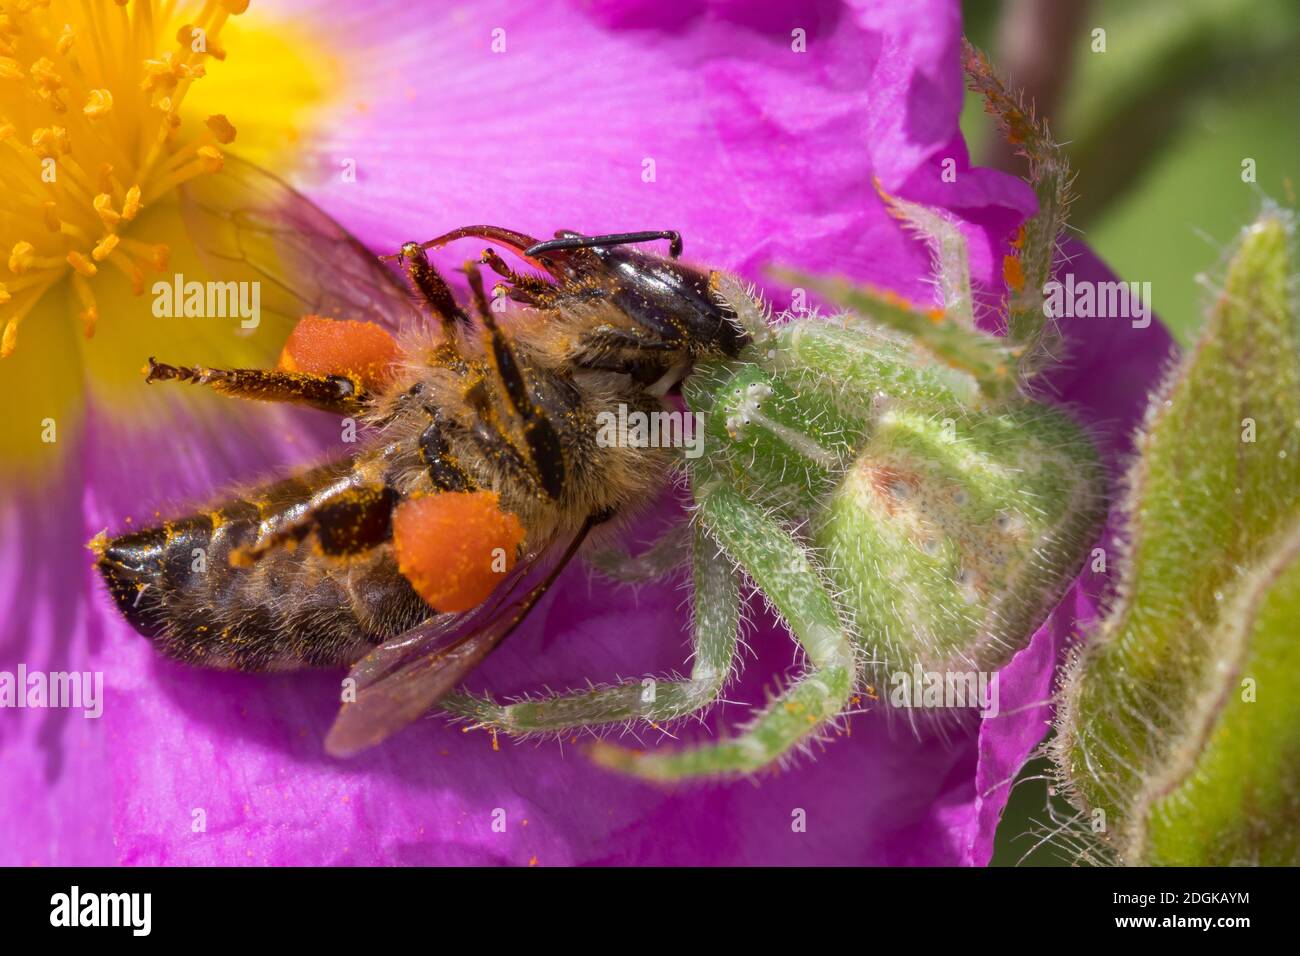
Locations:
(948, 250)
(1029, 268)
(664, 556)
(786, 573)
(953, 339)
(714, 639)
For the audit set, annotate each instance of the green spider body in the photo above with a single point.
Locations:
(886, 483)
(944, 529)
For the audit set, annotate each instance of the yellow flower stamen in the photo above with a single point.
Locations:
(73, 231)
(129, 268)
(89, 314)
(22, 258)
(156, 256)
(131, 205)
(83, 265)
(221, 129)
(91, 132)
(104, 248)
(207, 159)
(103, 204)
(98, 103)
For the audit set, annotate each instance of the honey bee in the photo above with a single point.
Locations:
(480, 476)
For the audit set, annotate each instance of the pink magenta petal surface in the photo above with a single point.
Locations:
(761, 155)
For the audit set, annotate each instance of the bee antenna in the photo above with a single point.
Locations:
(573, 241)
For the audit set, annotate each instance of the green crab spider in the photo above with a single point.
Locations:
(881, 477)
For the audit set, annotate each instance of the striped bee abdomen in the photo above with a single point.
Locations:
(301, 573)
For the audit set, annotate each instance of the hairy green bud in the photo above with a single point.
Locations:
(1154, 738)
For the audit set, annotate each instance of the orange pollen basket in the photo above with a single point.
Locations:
(321, 346)
(455, 547)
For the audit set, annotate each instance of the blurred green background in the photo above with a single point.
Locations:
(1157, 126)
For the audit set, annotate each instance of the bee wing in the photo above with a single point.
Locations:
(401, 679)
(251, 226)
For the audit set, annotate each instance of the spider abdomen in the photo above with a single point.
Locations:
(952, 538)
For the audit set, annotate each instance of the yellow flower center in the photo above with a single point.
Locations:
(90, 134)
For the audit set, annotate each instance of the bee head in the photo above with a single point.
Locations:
(663, 293)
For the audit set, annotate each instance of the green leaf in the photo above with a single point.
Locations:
(1219, 473)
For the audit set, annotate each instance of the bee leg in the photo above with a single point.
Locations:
(445, 473)
(523, 288)
(619, 350)
(341, 394)
(514, 241)
(714, 638)
(433, 289)
(545, 453)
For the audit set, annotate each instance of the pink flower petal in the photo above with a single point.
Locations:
(761, 155)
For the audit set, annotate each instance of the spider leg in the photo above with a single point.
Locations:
(784, 570)
(1029, 269)
(1000, 366)
(989, 360)
(948, 249)
(659, 560)
(858, 356)
(717, 622)
(949, 332)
